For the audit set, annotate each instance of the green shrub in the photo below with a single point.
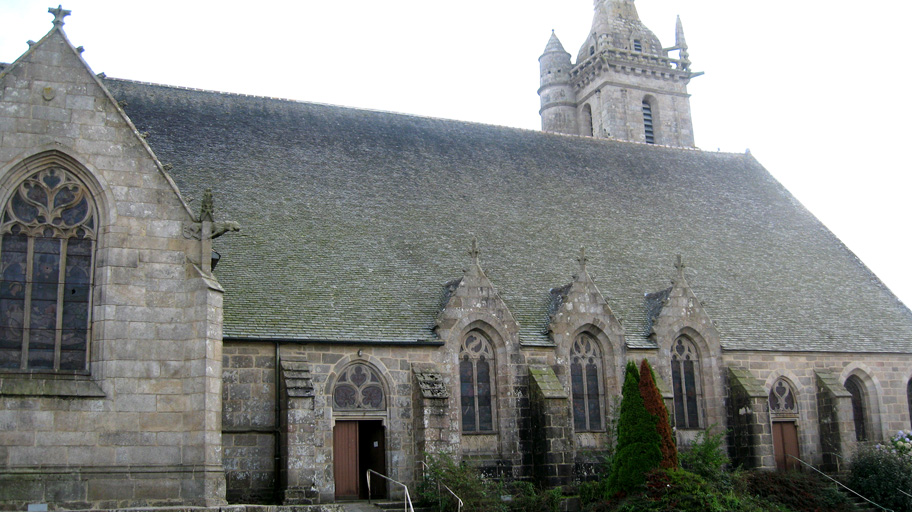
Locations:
(679, 490)
(881, 475)
(637, 440)
(706, 457)
(529, 498)
(591, 493)
(477, 492)
(795, 490)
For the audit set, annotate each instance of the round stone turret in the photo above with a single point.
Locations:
(558, 101)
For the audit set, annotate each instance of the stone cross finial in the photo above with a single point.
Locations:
(473, 250)
(206, 207)
(583, 259)
(59, 13)
(679, 265)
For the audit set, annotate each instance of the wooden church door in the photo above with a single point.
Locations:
(357, 447)
(785, 444)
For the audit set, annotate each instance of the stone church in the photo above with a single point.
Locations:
(213, 298)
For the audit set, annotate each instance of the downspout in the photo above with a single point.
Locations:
(277, 439)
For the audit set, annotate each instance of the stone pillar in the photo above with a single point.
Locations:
(552, 428)
(433, 432)
(297, 432)
(750, 439)
(836, 424)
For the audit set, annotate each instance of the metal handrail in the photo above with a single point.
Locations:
(841, 484)
(459, 504)
(838, 465)
(408, 499)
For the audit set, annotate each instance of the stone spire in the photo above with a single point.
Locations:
(681, 45)
(616, 24)
(679, 34)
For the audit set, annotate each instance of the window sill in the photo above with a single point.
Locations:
(33, 384)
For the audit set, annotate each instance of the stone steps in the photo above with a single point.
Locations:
(399, 506)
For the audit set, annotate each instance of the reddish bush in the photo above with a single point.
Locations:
(652, 399)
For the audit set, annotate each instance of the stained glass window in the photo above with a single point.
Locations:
(859, 413)
(48, 232)
(476, 383)
(685, 380)
(359, 388)
(782, 399)
(585, 383)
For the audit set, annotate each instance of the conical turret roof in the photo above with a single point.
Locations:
(554, 44)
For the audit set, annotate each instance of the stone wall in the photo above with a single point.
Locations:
(249, 427)
(885, 377)
(142, 425)
(552, 429)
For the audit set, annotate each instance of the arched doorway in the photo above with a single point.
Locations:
(783, 406)
(359, 435)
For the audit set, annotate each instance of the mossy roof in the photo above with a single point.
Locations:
(354, 220)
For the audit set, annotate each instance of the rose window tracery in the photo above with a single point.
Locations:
(782, 399)
(359, 388)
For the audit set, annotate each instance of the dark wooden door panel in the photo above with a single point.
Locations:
(790, 440)
(785, 443)
(345, 460)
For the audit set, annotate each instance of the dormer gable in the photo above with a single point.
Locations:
(676, 309)
(580, 305)
(473, 299)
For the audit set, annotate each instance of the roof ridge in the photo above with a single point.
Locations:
(411, 115)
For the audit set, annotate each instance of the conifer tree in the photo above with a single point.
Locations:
(637, 440)
(652, 399)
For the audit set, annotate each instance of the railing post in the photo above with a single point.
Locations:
(408, 499)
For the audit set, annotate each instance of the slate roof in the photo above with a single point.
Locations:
(353, 221)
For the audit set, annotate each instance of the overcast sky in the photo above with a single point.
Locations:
(817, 90)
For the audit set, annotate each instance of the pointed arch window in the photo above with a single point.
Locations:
(476, 383)
(859, 407)
(782, 402)
(586, 383)
(685, 379)
(359, 388)
(647, 123)
(637, 45)
(47, 253)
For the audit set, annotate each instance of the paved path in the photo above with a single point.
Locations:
(358, 506)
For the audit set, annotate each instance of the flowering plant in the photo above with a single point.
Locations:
(900, 444)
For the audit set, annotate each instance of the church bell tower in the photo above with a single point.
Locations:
(624, 85)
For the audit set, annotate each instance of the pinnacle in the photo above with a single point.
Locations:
(554, 44)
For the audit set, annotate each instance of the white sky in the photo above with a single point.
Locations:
(818, 90)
